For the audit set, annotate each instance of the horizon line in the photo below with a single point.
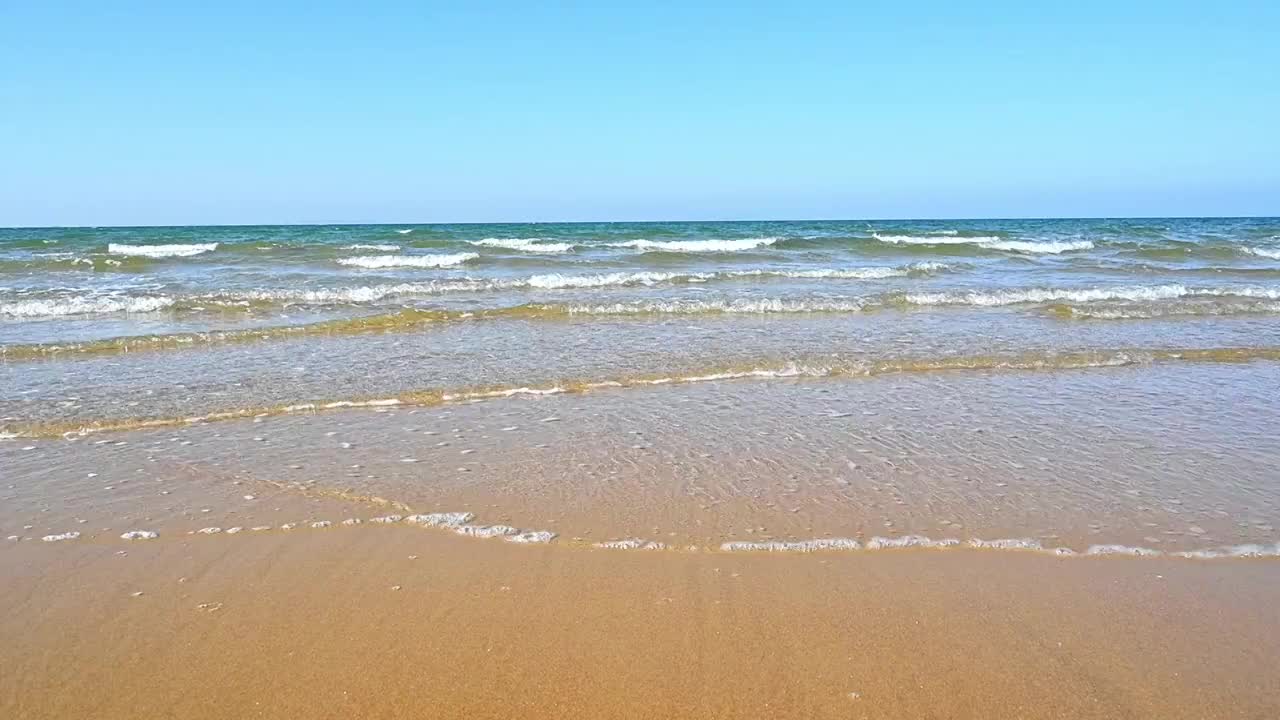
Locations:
(641, 222)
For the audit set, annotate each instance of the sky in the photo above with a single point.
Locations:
(151, 113)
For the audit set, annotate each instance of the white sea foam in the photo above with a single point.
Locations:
(993, 298)
(909, 541)
(1272, 253)
(91, 305)
(536, 245)
(387, 519)
(381, 247)
(443, 519)
(737, 306)
(405, 231)
(931, 239)
(557, 281)
(374, 262)
(159, 251)
(140, 535)
(1048, 247)
(989, 242)
(562, 281)
(209, 531)
(696, 246)
(792, 546)
(1236, 551)
(61, 536)
(632, 544)
(1121, 550)
(485, 531)
(532, 537)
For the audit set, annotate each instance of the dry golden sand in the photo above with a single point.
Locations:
(308, 624)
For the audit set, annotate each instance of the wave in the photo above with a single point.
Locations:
(1272, 253)
(375, 262)
(537, 245)
(710, 307)
(991, 242)
(160, 251)
(949, 239)
(803, 368)
(997, 298)
(1191, 308)
(555, 281)
(381, 247)
(697, 246)
(100, 305)
(1252, 550)
(405, 231)
(1049, 247)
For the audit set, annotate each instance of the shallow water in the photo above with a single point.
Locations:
(1054, 383)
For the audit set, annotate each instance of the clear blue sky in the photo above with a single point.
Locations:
(150, 113)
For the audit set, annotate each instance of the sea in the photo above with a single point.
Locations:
(1067, 386)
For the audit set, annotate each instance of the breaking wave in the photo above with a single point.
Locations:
(535, 245)
(697, 246)
(375, 262)
(99, 305)
(161, 251)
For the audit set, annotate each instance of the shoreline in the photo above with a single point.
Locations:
(402, 624)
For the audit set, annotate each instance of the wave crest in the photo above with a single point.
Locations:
(160, 251)
(375, 262)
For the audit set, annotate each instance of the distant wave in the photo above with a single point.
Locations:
(59, 307)
(405, 232)
(991, 242)
(159, 251)
(381, 247)
(537, 245)
(948, 239)
(697, 246)
(374, 262)
(562, 281)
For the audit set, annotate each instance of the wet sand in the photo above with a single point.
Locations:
(311, 624)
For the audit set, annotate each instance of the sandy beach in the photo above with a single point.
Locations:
(399, 622)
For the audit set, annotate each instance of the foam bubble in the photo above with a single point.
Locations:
(909, 541)
(531, 537)
(440, 519)
(1121, 550)
(1236, 551)
(321, 524)
(61, 536)
(209, 531)
(995, 298)
(388, 519)
(485, 531)
(159, 251)
(374, 262)
(792, 546)
(632, 544)
(140, 535)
